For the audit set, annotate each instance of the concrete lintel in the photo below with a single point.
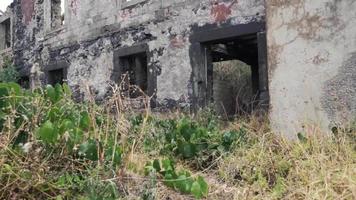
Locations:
(213, 32)
(127, 51)
(58, 64)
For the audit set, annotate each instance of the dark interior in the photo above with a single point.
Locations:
(7, 25)
(134, 72)
(56, 76)
(242, 48)
(24, 81)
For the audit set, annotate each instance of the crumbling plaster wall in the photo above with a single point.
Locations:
(312, 63)
(27, 33)
(95, 29)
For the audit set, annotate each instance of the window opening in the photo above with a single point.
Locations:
(134, 74)
(57, 76)
(5, 35)
(57, 13)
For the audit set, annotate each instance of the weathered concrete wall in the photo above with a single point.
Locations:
(93, 30)
(311, 48)
(312, 63)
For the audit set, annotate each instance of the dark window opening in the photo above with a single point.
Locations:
(24, 82)
(7, 25)
(134, 77)
(57, 76)
(5, 34)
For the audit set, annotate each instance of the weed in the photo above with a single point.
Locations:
(179, 180)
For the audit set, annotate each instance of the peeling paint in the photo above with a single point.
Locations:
(311, 71)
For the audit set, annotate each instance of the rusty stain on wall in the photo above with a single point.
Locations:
(27, 7)
(221, 11)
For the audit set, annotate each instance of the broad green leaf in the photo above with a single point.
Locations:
(15, 88)
(184, 128)
(53, 114)
(167, 165)
(51, 93)
(66, 126)
(187, 150)
(157, 165)
(203, 186)
(59, 92)
(169, 180)
(66, 89)
(184, 184)
(48, 133)
(196, 190)
(89, 150)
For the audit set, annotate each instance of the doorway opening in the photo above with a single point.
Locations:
(230, 68)
(232, 74)
(56, 76)
(56, 72)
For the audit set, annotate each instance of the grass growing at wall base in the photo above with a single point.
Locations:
(54, 148)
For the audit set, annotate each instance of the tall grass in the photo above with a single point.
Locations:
(54, 148)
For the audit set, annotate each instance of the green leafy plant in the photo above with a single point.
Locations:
(61, 122)
(8, 72)
(179, 180)
(189, 140)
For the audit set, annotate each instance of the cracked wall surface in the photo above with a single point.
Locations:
(312, 46)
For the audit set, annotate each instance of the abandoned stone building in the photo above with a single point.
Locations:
(299, 55)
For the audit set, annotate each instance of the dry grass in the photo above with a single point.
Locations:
(265, 166)
(321, 167)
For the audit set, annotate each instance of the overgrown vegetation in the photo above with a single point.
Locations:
(54, 148)
(8, 72)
